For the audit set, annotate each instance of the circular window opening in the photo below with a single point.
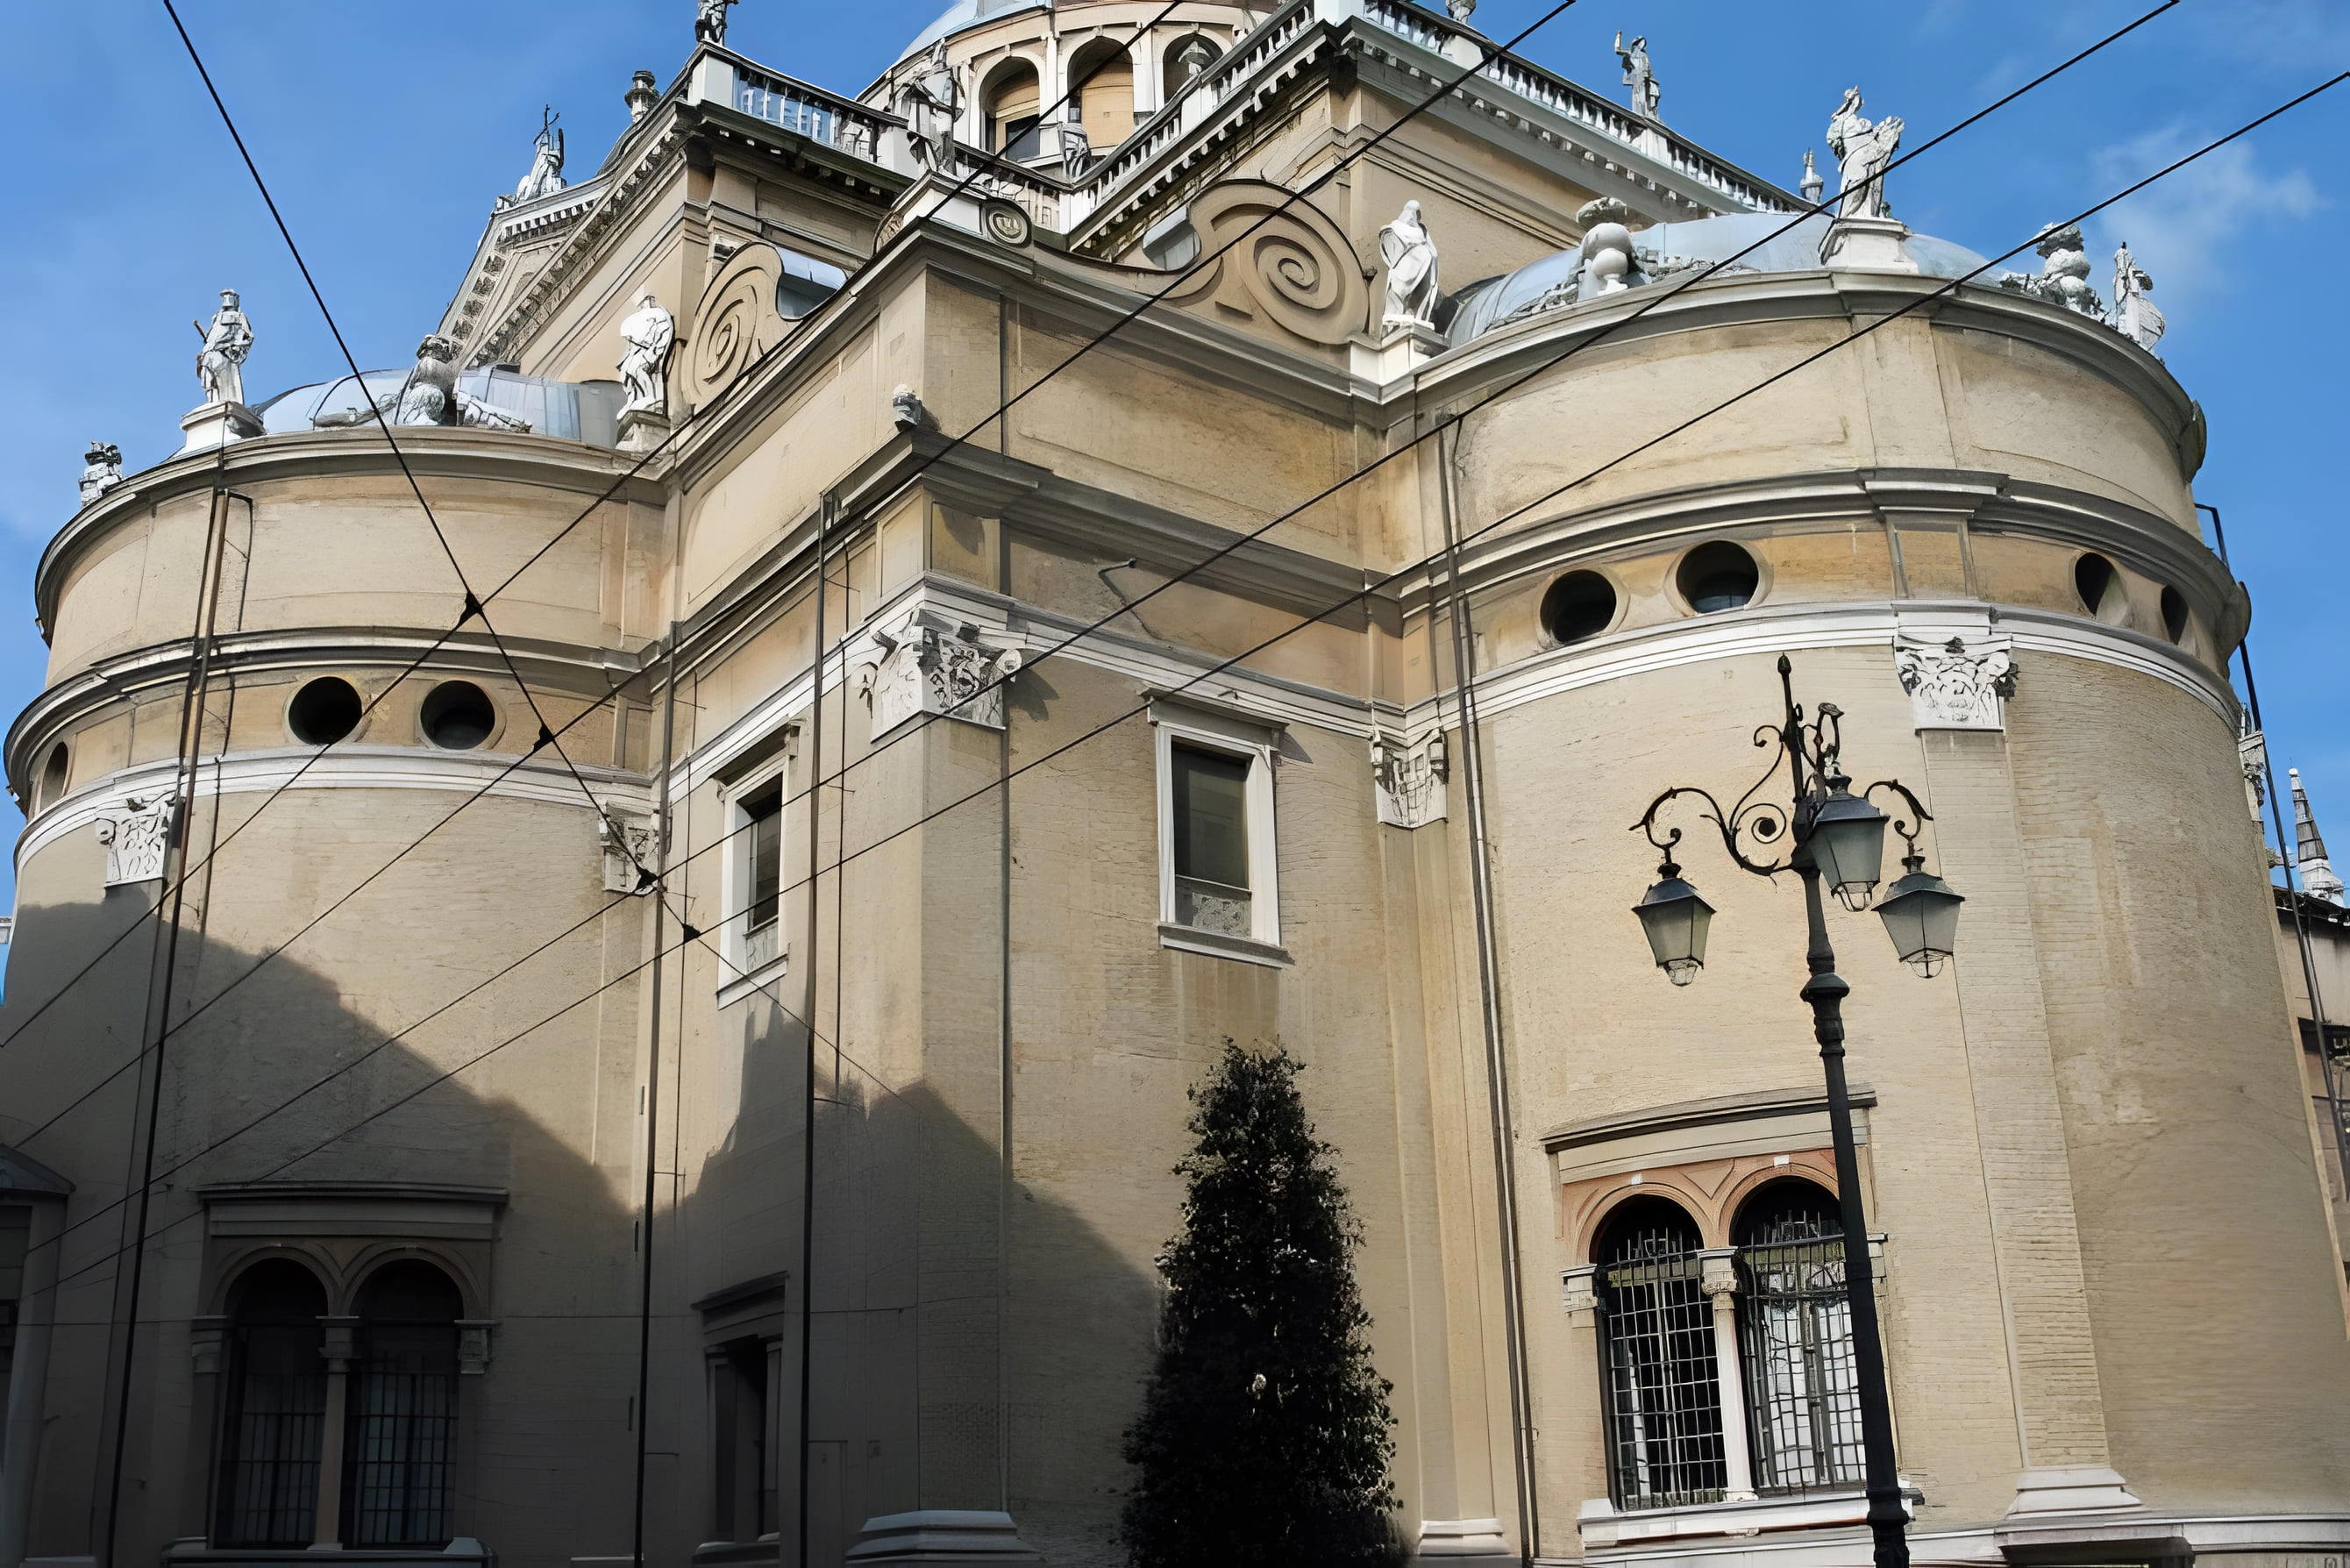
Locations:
(458, 716)
(1579, 605)
(2174, 614)
(324, 711)
(1717, 576)
(53, 776)
(2099, 586)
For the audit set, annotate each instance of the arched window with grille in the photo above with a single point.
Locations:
(1665, 1447)
(403, 1409)
(276, 1412)
(1801, 1389)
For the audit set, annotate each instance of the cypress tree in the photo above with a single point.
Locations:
(1263, 1440)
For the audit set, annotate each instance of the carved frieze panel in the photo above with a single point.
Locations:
(1956, 683)
(932, 664)
(137, 839)
(1410, 777)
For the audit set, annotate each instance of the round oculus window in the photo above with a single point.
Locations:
(1718, 576)
(324, 711)
(458, 716)
(1578, 605)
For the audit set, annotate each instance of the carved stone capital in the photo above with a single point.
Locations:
(1957, 683)
(628, 845)
(207, 1337)
(932, 664)
(137, 839)
(473, 1346)
(1579, 1292)
(1717, 1276)
(341, 1342)
(1410, 776)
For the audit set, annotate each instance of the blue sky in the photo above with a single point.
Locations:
(386, 130)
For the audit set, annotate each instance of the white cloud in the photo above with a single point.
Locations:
(2195, 230)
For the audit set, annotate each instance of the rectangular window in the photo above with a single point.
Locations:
(761, 849)
(1216, 855)
(1211, 848)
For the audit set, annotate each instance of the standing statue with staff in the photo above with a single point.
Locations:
(1641, 76)
(931, 101)
(1863, 152)
(220, 363)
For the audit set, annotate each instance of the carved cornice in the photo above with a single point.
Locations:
(503, 775)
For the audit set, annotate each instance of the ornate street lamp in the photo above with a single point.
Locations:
(1835, 840)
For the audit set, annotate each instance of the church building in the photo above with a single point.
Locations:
(615, 924)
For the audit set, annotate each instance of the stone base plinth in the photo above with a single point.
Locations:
(2078, 1489)
(217, 424)
(642, 430)
(1464, 1540)
(1867, 244)
(941, 1536)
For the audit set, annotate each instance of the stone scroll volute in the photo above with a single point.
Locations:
(1290, 267)
(735, 321)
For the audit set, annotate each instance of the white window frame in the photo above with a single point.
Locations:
(737, 978)
(1235, 733)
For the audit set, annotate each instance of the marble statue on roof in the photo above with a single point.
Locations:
(709, 22)
(220, 363)
(1641, 76)
(649, 338)
(932, 100)
(1413, 281)
(2135, 316)
(1864, 151)
(546, 176)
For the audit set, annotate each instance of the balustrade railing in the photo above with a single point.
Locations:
(810, 111)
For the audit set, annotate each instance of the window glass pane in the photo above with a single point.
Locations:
(403, 1411)
(1211, 816)
(1664, 1402)
(1802, 1385)
(763, 815)
(277, 1414)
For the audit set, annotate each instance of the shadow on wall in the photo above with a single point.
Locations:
(544, 1449)
(969, 1337)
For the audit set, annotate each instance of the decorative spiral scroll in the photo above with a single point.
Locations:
(1004, 223)
(1294, 268)
(736, 320)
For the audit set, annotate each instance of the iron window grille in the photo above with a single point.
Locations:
(277, 1414)
(1803, 1391)
(1665, 1447)
(403, 1411)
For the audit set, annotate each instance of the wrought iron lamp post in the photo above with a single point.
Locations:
(1834, 841)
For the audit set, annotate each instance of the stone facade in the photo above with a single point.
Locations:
(816, 1010)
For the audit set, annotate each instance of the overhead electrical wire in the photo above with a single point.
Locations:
(1449, 421)
(742, 379)
(694, 935)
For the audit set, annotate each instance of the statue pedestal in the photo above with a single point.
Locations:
(1401, 349)
(1867, 244)
(217, 424)
(642, 430)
